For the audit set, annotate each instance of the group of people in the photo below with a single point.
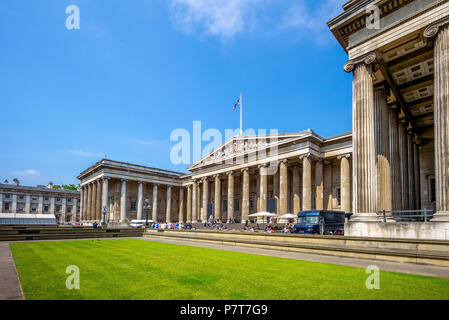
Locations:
(171, 226)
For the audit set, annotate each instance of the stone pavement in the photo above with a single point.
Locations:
(411, 268)
(10, 288)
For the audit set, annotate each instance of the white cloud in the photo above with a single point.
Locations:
(144, 142)
(83, 153)
(29, 172)
(227, 18)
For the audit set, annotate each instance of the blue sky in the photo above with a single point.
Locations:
(137, 70)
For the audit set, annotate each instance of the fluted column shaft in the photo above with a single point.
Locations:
(123, 202)
(417, 175)
(345, 183)
(403, 160)
(411, 171)
(382, 147)
(93, 208)
(205, 198)
(181, 205)
(364, 166)
(189, 203)
(296, 190)
(307, 183)
(89, 203)
(245, 196)
(194, 202)
(82, 194)
(319, 185)
(441, 115)
(168, 206)
(283, 181)
(395, 167)
(105, 198)
(155, 202)
(230, 195)
(139, 200)
(276, 190)
(263, 188)
(217, 194)
(98, 201)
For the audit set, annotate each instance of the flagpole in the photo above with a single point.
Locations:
(241, 115)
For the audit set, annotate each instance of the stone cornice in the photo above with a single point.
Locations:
(367, 59)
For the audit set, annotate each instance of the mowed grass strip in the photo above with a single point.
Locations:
(144, 270)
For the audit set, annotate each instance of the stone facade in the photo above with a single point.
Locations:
(282, 174)
(64, 204)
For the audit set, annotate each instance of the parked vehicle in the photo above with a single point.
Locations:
(321, 222)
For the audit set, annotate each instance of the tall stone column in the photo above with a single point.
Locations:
(364, 165)
(258, 192)
(245, 196)
(411, 171)
(27, 204)
(139, 200)
(381, 141)
(189, 203)
(345, 182)
(296, 190)
(93, 208)
(403, 160)
(52, 204)
(440, 31)
(89, 203)
(205, 198)
(98, 201)
(168, 206)
(181, 205)
(230, 175)
(395, 167)
(194, 202)
(319, 183)
(283, 181)
(277, 191)
(417, 174)
(105, 197)
(123, 203)
(263, 187)
(81, 202)
(86, 204)
(217, 193)
(306, 182)
(155, 203)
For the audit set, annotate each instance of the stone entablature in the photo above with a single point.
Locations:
(34, 200)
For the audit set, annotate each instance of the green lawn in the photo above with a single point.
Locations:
(138, 269)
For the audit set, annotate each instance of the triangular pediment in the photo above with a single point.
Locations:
(242, 146)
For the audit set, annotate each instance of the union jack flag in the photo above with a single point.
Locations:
(238, 102)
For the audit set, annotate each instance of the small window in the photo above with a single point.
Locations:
(251, 204)
(58, 199)
(237, 204)
(33, 209)
(21, 197)
(46, 209)
(58, 208)
(46, 198)
(34, 198)
(69, 200)
(7, 196)
(20, 209)
(69, 209)
(6, 206)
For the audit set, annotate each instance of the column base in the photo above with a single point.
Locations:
(441, 216)
(365, 217)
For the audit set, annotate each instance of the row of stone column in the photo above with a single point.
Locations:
(92, 199)
(281, 190)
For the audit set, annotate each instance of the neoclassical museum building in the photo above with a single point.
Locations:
(396, 158)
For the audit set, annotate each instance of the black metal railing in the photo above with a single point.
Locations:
(424, 215)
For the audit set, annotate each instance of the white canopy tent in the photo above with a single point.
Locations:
(263, 215)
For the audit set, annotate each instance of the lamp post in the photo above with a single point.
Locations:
(105, 212)
(147, 208)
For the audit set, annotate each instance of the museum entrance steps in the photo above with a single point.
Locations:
(431, 252)
(24, 233)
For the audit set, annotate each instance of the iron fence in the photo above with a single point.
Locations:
(424, 215)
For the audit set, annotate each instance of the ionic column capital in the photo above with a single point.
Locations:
(230, 173)
(140, 182)
(366, 59)
(434, 28)
(307, 155)
(123, 180)
(245, 169)
(106, 178)
(284, 161)
(347, 156)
